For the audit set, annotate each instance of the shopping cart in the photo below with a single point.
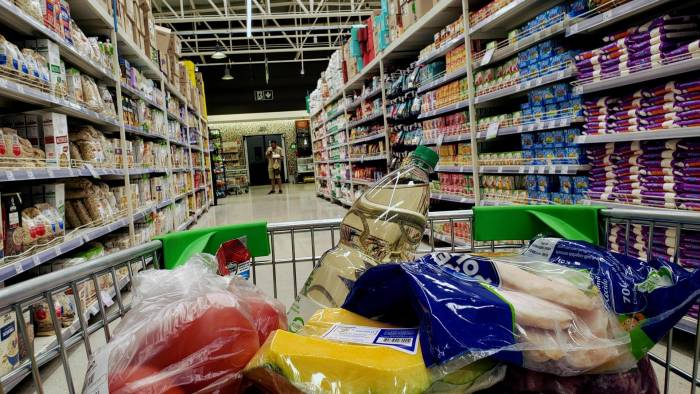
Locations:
(285, 253)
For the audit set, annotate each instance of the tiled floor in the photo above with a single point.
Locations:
(295, 251)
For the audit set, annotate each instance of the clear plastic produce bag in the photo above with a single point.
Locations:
(561, 307)
(188, 331)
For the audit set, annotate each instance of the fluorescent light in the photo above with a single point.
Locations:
(249, 18)
(227, 75)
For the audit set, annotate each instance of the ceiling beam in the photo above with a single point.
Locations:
(268, 50)
(243, 63)
(304, 28)
(266, 16)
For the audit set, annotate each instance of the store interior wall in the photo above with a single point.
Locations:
(235, 131)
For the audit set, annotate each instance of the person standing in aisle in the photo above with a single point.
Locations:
(274, 156)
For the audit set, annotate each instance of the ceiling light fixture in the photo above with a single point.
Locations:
(249, 18)
(218, 53)
(227, 74)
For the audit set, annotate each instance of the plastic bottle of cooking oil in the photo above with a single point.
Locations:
(384, 225)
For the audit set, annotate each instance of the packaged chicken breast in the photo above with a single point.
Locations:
(560, 307)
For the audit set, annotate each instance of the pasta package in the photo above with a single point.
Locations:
(561, 307)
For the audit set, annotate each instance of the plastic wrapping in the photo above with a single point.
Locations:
(561, 307)
(337, 351)
(188, 330)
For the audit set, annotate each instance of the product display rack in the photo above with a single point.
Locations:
(608, 16)
(93, 18)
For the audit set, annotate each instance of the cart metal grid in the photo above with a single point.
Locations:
(295, 248)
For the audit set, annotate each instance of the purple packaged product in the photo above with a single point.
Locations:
(531, 183)
(566, 184)
(689, 114)
(528, 157)
(527, 140)
(688, 105)
(559, 139)
(688, 123)
(689, 96)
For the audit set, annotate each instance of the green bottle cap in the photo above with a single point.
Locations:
(427, 155)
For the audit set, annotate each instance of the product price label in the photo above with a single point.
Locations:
(541, 170)
(36, 260)
(573, 29)
(565, 169)
(531, 170)
(492, 131)
(402, 339)
(500, 169)
(18, 268)
(521, 169)
(487, 56)
(440, 138)
(92, 171)
(9, 175)
(578, 89)
(20, 88)
(30, 174)
(3, 83)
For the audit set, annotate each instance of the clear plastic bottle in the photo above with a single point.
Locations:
(386, 224)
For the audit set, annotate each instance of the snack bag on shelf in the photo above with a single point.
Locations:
(339, 351)
(560, 307)
(207, 330)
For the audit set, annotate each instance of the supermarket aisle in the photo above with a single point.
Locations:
(298, 202)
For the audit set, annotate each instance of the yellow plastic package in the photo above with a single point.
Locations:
(309, 362)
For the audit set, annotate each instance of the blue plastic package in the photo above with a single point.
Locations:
(547, 95)
(577, 7)
(574, 156)
(556, 198)
(561, 307)
(544, 49)
(566, 184)
(551, 111)
(560, 92)
(527, 140)
(579, 199)
(537, 112)
(528, 157)
(540, 156)
(560, 156)
(546, 139)
(576, 105)
(532, 197)
(567, 199)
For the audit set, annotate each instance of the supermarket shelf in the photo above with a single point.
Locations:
(505, 19)
(46, 348)
(54, 249)
(13, 17)
(164, 203)
(144, 171)
(688, 324)
(340, 145)
(447, 139)
(448, 239)
(128, 50)
(444, 110)
(415, 38)
(687, 132)
(196, 148)
(442, 80)
(358, 181)
(176, 142)
(175, 91)
(661, 71)
(367, 138)
(533, 126)
(143, 133)
(321, 161)
(513, 48)
(182, 169)
(518, 169)
(365, 120)
(186, 224)
(333, 161)
(452, 198)
(345, 202)
(181, 196)
(368, 158)
(591, 21)
(520, 88)
(369, 95)
(28, 174)
(442, 51)
(139, 95)
(29, 95)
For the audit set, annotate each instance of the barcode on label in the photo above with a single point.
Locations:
(402, 341)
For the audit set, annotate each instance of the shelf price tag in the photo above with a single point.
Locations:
(487, 56)
(492, 131)
(541, 169)
(92, 171)
(500, 169)
(565, 169)
(521, 169)
(531, 170)
(30, 174)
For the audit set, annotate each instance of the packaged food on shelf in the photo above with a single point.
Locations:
(458, 154)
(453, 124)
(455, 183)
(663, 40)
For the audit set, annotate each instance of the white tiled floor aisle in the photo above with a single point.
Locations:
(297, 203)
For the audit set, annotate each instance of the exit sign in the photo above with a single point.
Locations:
(264, 95)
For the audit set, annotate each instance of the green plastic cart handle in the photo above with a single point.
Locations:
(178, 247)
(501, 223)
